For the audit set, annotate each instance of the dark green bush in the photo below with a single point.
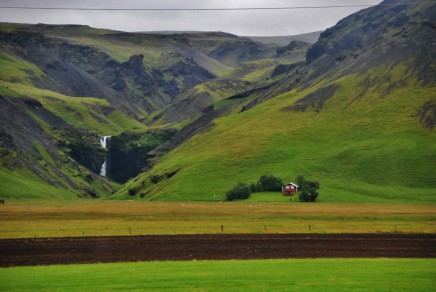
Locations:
(253, 187)
(307, 189)
(156, 178)
(132, 192)
(309, 195)
(269, 183)
(240, 191)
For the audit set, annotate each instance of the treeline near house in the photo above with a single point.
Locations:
(269, 183)
(266, 183)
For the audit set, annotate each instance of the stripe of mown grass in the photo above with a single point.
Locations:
(250, 275)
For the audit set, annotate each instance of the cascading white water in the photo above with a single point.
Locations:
(103, 142)
(103, 168)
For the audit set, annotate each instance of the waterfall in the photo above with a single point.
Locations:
(104, 143)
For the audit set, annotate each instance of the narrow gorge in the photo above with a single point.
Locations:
(105, 142)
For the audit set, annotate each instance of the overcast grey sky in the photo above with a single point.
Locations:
(246, 22)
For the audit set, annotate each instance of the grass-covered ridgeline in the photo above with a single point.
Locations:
(367, 149)
(249, 275)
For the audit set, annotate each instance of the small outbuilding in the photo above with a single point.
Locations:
(290, 189)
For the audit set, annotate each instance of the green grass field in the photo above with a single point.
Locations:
(26, 219)
(249, 275)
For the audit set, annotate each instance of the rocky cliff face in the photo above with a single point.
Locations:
(385, 34)
(130, 153)
(382, 36)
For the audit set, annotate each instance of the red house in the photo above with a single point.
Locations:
(290, 189)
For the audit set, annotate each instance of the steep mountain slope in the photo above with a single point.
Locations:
(359, 117)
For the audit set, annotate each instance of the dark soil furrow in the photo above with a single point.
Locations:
(75, 250)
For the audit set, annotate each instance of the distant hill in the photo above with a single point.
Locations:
(309, 38)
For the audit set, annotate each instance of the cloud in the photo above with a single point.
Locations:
(251, 22)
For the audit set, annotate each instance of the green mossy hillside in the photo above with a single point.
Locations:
(370, 149)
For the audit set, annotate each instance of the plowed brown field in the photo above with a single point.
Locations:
(75, 250)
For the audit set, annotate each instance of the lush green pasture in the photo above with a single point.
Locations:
(21, 219)
(250, 275)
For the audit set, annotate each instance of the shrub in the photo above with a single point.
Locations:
(308, 195)
(240, 191)
(156, 178)
(253, 187)
(269, 183)
(307, 189)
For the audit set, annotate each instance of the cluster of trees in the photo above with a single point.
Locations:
(266, 183)
(307, 189)
(269, 183)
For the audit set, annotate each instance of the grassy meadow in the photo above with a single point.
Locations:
(25, 219)
(249, 275)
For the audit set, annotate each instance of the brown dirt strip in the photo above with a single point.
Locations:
(75, 250)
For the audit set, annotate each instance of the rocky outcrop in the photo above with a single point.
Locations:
(314, 100)
(427, 115)
(292, 47)
(241, 50)
(286, 68)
